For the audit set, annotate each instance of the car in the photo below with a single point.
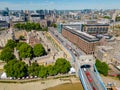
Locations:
(84, 69)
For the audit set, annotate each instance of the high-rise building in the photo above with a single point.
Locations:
(40, 12)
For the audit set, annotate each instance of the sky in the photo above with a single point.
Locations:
(59, 4)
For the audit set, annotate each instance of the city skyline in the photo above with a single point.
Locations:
(60, 5)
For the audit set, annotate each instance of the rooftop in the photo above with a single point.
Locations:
(81, 34)
(117, 57)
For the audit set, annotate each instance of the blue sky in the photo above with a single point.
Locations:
(60, 4)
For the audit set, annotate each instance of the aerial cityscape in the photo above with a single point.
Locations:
(60, 45)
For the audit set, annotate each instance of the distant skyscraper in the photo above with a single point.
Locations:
(7, 9)
(41, 12)
(46, 12)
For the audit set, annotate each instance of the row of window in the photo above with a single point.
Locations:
(97, 30)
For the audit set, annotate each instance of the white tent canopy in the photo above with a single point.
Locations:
(3, 76)
(72, 70)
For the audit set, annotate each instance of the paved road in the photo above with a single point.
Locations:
(74, 50)
(77, 52)
(95, 82)
(86, 80)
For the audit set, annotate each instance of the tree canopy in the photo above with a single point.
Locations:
(54, 25)
(30, 26)
(19, 44)
(25, 51)
(7, 54)
(62, 65)
(51, 70)
(39, 50)
(117, 18)
(102, 67)
(11, 44)
(16, 69)
(33, 70)
(21, 37)
(43, 72)
(107, 17)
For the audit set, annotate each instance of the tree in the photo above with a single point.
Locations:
(43, 72)
(118, 77)
(39, 50)
(62, 65)
(11, 44)
(117, 18)
(51, 70)
(33, 70)
(45, 29)
(37, 26)
(107, 17)
(105, 69)
(54, 25)
(7, 54)
(28, 26)
(102, 67)
(25, 51)
(17, 26)
(16, 69)
(98, 64)
(19, 44)
(21, 37)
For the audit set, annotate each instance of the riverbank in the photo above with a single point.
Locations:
(67, 86)
(39, 85)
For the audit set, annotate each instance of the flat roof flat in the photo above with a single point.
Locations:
(81, 34)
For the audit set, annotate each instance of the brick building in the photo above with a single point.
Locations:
(78, 34)
(83, 40)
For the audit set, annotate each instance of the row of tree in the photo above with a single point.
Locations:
(25, 50)
(107, 17)
(102, 67)
(30, 26)
(18, 69)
